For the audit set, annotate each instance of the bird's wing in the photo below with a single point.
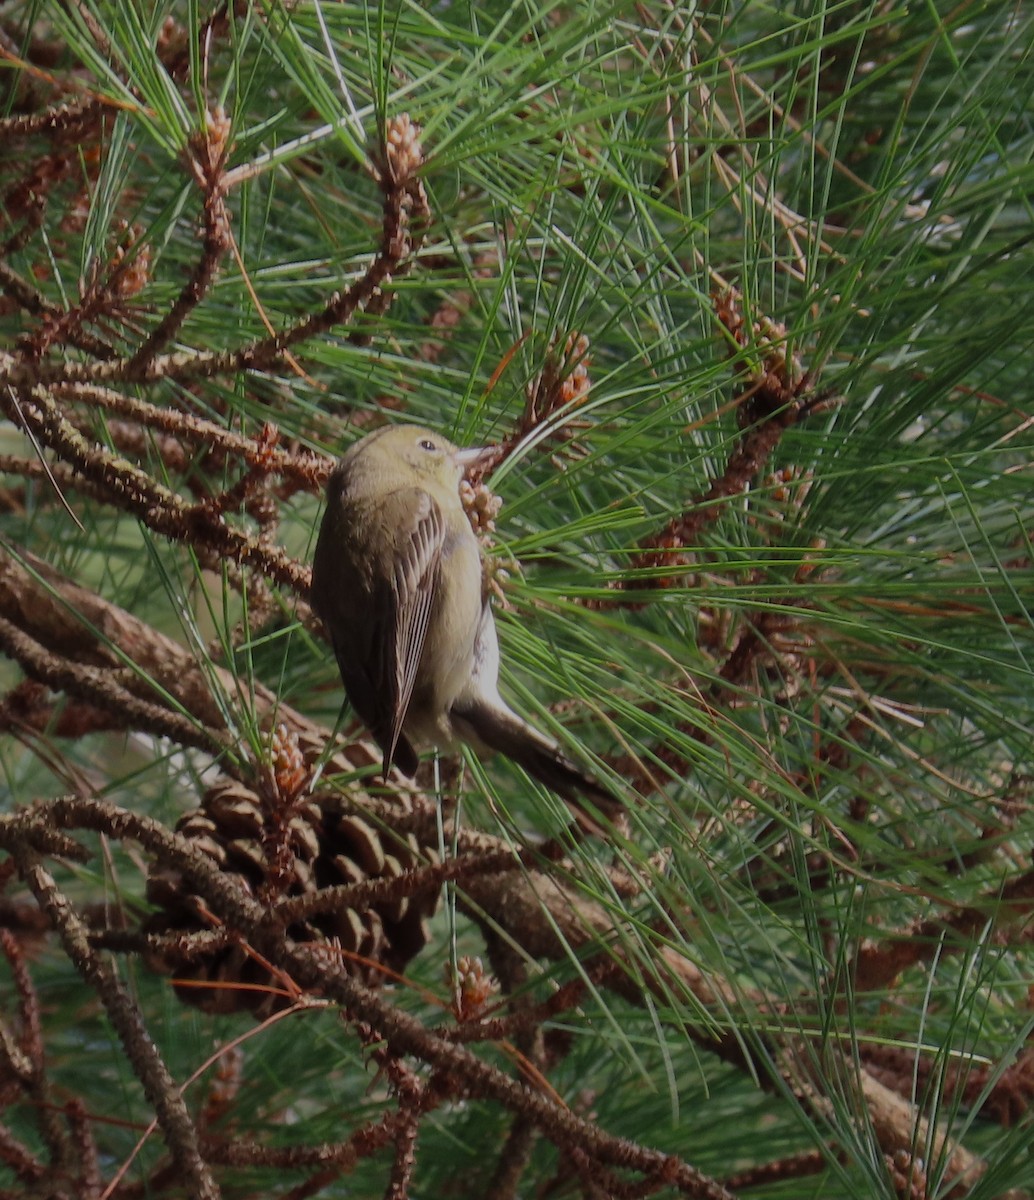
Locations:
(413, 583)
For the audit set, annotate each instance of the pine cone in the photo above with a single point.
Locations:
(320, 847)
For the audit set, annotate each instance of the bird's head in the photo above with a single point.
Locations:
(424, 457)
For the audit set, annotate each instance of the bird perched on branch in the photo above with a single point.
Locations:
(397, 581)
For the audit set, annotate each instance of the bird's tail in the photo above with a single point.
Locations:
(500, 729)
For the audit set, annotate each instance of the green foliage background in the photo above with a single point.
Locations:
(861, 173)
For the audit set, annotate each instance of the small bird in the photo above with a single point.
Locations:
(397, 581)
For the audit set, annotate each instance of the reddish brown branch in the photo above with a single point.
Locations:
(402, 1033)
(661, 550)
(31, 1039)
(21, 1163)
(1005, 1095)
(34, 303)
(23, 1069)
(405, 210)
(525, 1019)
(796, 1166)
(404, 1161)
(35, 209)
(305, 468)
(170, 1110)
(125, 710)
(208, 151)
(878, 963)
(103, 300)
(430, 878)
(71, 118)
(72, 640)
(513, 1160)
(78, 627)
(780, 392)
(132, 490)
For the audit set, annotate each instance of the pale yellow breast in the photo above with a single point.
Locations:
(447, 659)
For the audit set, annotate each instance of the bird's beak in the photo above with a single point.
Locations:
(475, 456)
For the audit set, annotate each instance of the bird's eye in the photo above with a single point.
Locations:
(427, 444)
